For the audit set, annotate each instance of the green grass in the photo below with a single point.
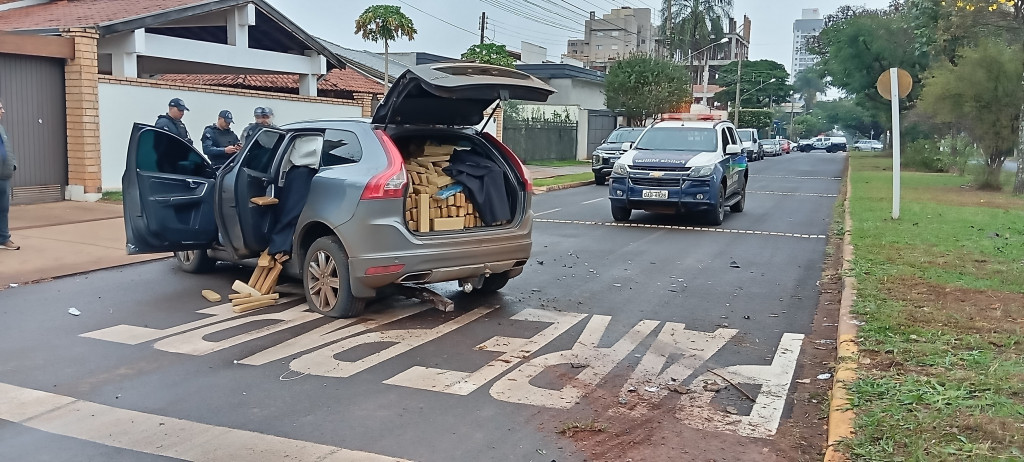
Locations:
(112, 196)
(562, 179)
(943, 301)
(558, 163)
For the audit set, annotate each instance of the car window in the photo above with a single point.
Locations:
(725, 137)
(733, 137)
(679, 139)
(625, 136)
(259, 156)
(746, 136)
(158, 151)
(341, 147)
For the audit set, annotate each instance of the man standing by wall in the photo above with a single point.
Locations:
(171, 121)
(219, 142)
(263, 117)
(7, 167)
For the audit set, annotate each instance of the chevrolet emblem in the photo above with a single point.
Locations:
(657, 174)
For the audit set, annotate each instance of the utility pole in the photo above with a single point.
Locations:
(668, 27)
(483, 25)
(739, 80)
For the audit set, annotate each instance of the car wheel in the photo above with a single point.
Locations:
(716, 215)
(739, 206)
(325, 277)
(494, 283)
(600, 180)
(195, 261)
(620, 213)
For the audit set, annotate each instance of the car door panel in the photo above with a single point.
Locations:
(245, 225)
(168, 190)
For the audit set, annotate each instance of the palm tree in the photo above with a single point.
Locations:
(387, 23)
(808, 84)
(696, 23)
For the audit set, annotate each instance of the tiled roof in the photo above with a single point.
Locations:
(337, 79)
(71, 13)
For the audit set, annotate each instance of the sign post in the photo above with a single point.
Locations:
(894, 84)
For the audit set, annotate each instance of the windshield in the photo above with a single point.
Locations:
(679, 139)
(745, 135)
(625, 136)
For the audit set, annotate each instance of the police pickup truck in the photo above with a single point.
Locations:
(682, 163)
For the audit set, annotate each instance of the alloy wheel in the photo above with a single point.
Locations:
(322, 280)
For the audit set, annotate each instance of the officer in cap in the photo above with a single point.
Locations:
(219, 142)
(263, 116)
(171, 121)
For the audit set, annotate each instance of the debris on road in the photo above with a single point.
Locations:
(13, 285)
(803, 380)
(631, 389)
(680, 389)
(73, 311)
(211, 296)
(652, 389)
(734, 264)
(731, 410)
(424, 294)
(713, 386)
(623, 400)
(824, 376)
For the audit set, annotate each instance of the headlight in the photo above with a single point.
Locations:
(619, 169)
(706, 170)
(596, 158)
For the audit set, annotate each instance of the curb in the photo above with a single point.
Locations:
(840, 417)
(557, 187)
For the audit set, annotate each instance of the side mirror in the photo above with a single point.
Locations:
(733, 149)
(627, 146)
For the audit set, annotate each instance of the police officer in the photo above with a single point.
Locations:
(263, 116)
(219, 142)
(171, 121)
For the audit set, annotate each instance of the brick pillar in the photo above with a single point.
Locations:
(83, 118)
(499, 118)
(366, 102)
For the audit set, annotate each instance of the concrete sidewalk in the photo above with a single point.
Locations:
(63, 238)
(538, 172)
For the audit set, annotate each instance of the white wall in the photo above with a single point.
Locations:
(122, 105)
(577, 92)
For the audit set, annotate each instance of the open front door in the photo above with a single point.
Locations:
(169, 191)
(246, 226)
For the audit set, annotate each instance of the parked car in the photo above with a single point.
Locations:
(353, 237)
(827, 143)
(787, 146)
(771, 148)
(680, 166)
(751, 145)
(868, 145)
(610, 150)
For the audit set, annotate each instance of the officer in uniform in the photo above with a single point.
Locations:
(171, 121)
(219, 142)
(263, 116)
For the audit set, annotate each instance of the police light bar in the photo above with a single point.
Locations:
(684, 116)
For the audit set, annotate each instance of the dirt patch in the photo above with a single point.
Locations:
(958, 309)
(965, 196)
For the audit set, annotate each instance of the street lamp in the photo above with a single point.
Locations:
(705, 48)
(758, 88)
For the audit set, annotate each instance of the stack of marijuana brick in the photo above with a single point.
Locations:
(431, 206)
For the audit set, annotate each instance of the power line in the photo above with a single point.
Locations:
(439, 19)
(519, 11)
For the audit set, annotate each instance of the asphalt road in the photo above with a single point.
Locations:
(602, 308)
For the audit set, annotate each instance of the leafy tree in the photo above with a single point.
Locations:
(808, 83)
(387, 23)
(696, 23)
(641, 85)
(976, 91)
(808, 126)
(755, 73)
(755, 118)
(849, 116)
(490, 53)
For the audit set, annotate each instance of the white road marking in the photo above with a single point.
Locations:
(793, 193)
(516, 349)
(681, 228)
(595, 200)
(800, 177)
(542, 213)
(156, 434)
(692, 347)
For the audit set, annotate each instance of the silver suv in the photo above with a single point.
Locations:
(354, 235)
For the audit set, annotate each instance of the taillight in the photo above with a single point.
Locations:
(377, 270)
(389, 184)
(518, 164)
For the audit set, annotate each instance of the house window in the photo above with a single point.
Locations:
(615, 47)
(598, 33)
(615, 33)
(598, 46)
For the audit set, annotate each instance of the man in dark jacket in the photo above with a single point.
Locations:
(171, 121)
(264, 116)
(8, 164)
(219, 142)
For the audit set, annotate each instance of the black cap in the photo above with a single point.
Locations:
(262, 111)
(226, 115)
(178, 103)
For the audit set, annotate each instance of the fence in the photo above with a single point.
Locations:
(541, 140)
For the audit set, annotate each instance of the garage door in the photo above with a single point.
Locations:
(32, 90)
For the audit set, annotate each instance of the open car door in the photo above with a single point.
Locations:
(169, 191)
(246, 225)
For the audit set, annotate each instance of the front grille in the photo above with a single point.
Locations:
(661, 169)
(657, 182)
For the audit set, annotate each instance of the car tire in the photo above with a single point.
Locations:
(620, 213)
(195, 261)
(600, 180)
(716, 214)
(739, 206)
(325, 280)
(494, 283)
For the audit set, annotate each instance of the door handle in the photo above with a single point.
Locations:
(193, 183)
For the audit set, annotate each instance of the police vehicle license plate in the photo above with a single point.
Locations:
(655, 194)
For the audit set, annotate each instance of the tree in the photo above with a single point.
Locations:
(848, 116)
(755, 118)
(490, 53)
(755, 73)
(387, 23)
(976, 91)
(641, 85)
(695, 24)
(808, 126)
(808, 83)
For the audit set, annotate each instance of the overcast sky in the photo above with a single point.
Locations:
(334, 20)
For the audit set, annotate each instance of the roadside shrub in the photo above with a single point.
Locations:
(924, 155)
